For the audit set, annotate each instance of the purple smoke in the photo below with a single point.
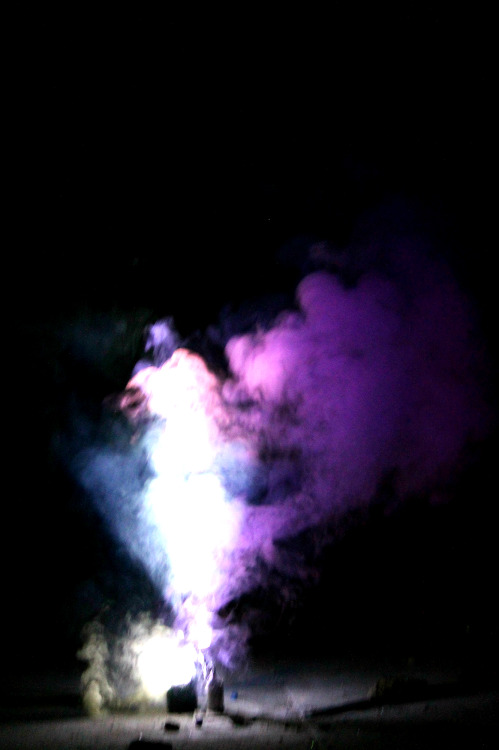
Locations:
(363, 383)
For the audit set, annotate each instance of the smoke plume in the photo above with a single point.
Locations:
(233, 481)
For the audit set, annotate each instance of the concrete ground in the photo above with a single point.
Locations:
(307, 704)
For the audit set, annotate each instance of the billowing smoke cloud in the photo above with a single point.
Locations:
(372, 380)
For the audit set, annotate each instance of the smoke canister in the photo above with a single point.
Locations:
(181, 699)
(215, 694)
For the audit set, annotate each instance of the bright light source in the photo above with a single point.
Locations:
(162, 661)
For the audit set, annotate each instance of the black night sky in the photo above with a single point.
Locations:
(165, 168)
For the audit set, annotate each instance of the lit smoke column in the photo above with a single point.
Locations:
(186, 499)
(359, 384)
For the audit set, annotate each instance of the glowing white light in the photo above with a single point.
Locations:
(186, 500)
(200, 631)
(163, 662)
(184, 446)
(197, 524)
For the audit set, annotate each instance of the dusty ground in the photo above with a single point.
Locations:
(302, 704)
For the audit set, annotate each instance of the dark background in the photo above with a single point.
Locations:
(161, 166)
